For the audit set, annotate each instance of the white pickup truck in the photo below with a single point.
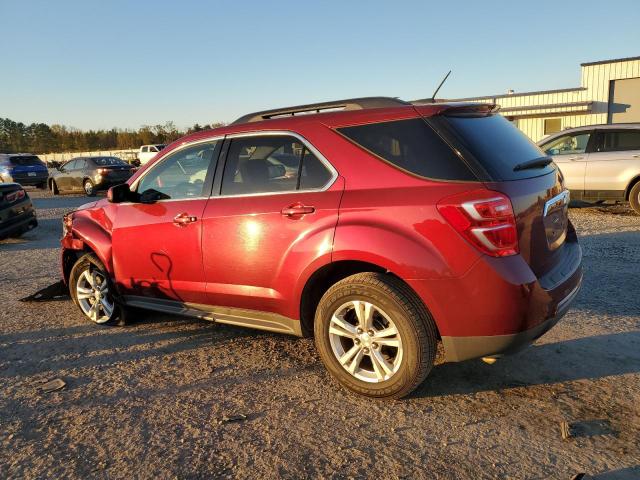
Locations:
(147, 152)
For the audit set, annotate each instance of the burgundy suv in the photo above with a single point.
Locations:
(378, 226)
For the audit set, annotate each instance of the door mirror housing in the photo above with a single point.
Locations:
(120, 193)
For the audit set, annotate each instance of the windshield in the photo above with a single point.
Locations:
(498, 146)
(106, 161)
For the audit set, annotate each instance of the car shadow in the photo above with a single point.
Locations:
(546, 364)
(56, 350)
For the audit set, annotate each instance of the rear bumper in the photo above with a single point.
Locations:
(458, 349)
(26, 180)
(499, 305)
(23, 221)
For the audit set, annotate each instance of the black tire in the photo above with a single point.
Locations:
(634, 197)
(89, 188)
(413, 322)
(92, 263)
(54, 188)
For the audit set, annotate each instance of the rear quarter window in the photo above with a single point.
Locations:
(411, 145)
(496, 144)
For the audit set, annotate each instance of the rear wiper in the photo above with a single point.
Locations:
(535, 163)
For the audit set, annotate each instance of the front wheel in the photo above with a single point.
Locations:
(375, 336)
(634, 198)
(89, 188)
(90, 289)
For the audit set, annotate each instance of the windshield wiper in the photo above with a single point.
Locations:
(535, 163)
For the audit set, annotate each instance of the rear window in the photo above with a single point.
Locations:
(497, 145)
(26, 160)
(106, 161)
(411, 145)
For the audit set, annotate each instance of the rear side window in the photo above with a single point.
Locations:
(26, 160)
(411, 145)
(621, 140)
(497, 145)
(269, 164)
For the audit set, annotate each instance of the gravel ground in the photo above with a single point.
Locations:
(169, 397)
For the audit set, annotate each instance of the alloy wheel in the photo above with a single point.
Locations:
(92, 292)
(365, 341)
(88, 187)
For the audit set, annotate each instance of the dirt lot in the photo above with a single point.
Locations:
(165, 397)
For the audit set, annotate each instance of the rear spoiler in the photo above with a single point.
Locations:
(466, 109)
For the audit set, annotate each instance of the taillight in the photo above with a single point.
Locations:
(102, 171)
(485, 218)
(15, 196)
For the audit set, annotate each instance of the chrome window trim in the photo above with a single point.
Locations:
(305, 142)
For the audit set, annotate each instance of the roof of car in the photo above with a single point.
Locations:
(276, 120)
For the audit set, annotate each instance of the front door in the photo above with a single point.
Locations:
(275, 217)
(569, 152)
(157, 244)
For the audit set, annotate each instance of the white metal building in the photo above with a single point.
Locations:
(609, 92)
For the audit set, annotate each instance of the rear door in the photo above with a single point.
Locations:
(270, 221)
(614, 162)
(157, 245)
(79, 173)
(571, 153)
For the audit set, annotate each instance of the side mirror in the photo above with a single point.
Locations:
(119, 193)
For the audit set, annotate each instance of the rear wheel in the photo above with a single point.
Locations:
(91, 290)
(634, 198)
(375, 336)
(89, 188)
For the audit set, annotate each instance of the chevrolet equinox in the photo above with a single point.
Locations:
(378, 226)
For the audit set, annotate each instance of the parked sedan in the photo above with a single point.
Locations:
(89, 174)
(16, 212)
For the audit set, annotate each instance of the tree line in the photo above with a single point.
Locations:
(16, 137)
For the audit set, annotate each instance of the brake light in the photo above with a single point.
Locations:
(102, 171)
(485, 218)
(15, 196)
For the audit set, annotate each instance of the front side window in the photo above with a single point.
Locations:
(269, 164)
(568, 144)
(70, 165)
(182, 174)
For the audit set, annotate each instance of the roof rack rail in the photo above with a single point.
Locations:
(348, 104)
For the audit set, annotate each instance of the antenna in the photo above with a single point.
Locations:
(433, 97)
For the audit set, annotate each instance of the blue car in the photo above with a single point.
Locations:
(23, 168)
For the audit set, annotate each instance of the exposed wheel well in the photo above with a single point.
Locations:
(322, 280)
(631, 185)
(70, 257)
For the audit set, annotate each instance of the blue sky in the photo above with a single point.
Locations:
(100, 64)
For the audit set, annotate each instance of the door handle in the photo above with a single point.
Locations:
(573, 159)
(183, 219)
(297, 209)
(635, 156)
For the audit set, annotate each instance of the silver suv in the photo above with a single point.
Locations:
(599, 162)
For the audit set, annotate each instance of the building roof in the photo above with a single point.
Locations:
(613, 60)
